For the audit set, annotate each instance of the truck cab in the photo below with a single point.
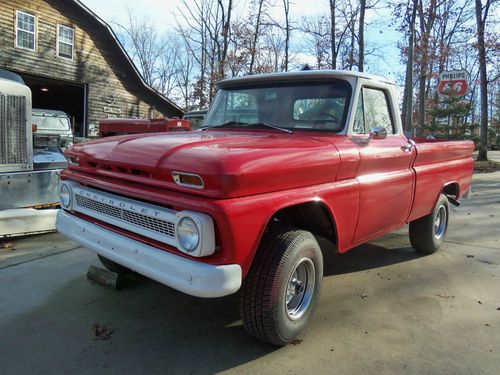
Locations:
(52, 122)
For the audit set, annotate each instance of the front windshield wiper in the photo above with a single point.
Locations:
(228, 124)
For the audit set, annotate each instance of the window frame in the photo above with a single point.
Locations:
(58, 40)
(34, 32)
(389, 105)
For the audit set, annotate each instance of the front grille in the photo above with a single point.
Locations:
(160, 226)
(13, 132)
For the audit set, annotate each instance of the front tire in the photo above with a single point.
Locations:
(428, 233)
(281, 291)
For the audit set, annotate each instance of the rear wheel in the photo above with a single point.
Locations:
(428, 233)
(281, 291)
(113, 266)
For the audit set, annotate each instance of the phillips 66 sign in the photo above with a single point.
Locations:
(454, 83)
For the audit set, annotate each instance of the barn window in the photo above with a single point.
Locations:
(65, 41)
(25, 30)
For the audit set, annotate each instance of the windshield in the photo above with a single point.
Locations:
(319, 106)
(195, 121)
(51, 122)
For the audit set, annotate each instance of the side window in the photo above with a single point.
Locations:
(376, 109)
(372, 111)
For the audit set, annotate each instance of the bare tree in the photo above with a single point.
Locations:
(481, 17)
(333, 33)
(286, 8)
(318, 44)
(408, 90)
(427, 16)
(256, 34)
(361, 35)
(145, 44)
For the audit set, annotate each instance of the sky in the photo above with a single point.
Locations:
(163, 14)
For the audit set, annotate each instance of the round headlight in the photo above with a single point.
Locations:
(188, 234)
(65, 196)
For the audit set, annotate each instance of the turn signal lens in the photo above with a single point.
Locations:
(188, 180)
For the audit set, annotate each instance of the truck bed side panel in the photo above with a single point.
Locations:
(439, 163)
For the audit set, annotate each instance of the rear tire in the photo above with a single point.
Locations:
(428, 233)
(113, 266)
(281, 291)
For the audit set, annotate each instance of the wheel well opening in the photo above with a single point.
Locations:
(311, 216)
(452, 190)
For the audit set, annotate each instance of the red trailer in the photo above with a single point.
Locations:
(110, 127)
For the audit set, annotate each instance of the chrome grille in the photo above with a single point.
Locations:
(13, 131)
(160, 226)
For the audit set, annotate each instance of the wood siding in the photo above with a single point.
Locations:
(113, 86)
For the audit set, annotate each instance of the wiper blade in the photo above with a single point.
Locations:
(247, 125)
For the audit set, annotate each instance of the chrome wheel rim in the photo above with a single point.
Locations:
(440, 222)
(300, 289)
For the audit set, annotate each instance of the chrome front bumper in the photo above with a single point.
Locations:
(188, 276)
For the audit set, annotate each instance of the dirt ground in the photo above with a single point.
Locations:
(383, 309)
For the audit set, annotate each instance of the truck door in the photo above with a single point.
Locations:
(385, 171)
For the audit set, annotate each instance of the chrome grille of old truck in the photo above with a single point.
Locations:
(146, 219)
(14, 152)
(161, 226)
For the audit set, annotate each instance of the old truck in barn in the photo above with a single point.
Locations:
(283, 159)
(126, 126)
(30, 163)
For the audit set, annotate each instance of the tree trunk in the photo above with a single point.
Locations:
(408, 93)
(332, 33)
(480, 20)
(286, 5)
(361, 35)
(255, 38)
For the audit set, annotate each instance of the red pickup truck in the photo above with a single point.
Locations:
(282, 160)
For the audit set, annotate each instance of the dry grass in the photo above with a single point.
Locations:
(486, 166)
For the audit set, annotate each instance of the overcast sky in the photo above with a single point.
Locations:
(162, 13)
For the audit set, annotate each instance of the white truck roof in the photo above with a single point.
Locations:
(309, 75)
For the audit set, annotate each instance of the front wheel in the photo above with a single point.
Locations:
(428, 233)
(281, 290)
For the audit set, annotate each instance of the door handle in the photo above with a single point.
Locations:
(407, 147)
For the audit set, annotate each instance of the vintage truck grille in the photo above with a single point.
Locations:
(13, 131)
(157, 225)
(148, 220)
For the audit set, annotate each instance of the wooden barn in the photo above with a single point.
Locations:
(72, 61)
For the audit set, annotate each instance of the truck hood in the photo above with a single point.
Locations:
(231, 164)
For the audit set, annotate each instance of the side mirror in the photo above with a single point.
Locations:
(378, 133)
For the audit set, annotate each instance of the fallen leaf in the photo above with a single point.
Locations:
(101, 332)
(7, 245)
(444, 296)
